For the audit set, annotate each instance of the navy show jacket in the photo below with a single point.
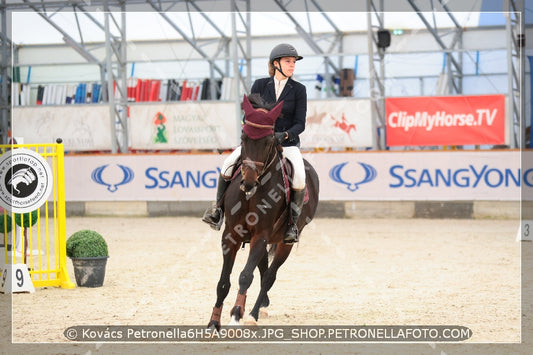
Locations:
(293, 113)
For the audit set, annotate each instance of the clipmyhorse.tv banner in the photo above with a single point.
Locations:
(445, 120)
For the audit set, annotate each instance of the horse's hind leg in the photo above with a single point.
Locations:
(257, 252)
(263, 267)
(223, 285)
(282, 252)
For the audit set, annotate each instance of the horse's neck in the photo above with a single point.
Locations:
(279, 179)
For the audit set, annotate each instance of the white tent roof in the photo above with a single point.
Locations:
(30, 28)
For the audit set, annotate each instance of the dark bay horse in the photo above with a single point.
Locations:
(257, 212)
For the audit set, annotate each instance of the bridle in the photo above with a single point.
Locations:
(258, 166)
(261, 131)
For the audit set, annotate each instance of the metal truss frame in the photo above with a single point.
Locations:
(515, 28)
(453, 50)
(5, 65)
(376, 55)
(116, 79)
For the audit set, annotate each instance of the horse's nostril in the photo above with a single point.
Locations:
(247, 188)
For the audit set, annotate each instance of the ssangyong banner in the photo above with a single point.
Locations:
(183, 125)
(376, 176)
(445, 120)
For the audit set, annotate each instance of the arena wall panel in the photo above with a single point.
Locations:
(346, 176)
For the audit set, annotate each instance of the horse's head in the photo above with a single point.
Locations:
(258, 145)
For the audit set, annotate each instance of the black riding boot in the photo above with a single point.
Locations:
(214, 215)
(297, 201)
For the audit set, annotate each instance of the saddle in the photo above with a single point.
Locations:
(287, 172)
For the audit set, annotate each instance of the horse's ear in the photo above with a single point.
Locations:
(274, 113)
(246, 105)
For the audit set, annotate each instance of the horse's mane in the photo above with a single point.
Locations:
(258, 102)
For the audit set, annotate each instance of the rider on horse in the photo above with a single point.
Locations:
(279, 86)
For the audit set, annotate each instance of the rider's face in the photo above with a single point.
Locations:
(287, 65)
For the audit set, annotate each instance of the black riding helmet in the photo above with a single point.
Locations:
(283, 50)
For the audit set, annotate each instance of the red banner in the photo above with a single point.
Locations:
(445, 120)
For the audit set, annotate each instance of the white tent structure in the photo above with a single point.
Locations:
(439, 47)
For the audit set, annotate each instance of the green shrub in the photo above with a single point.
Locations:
(25, 219)
(86, 244)
(8, 221)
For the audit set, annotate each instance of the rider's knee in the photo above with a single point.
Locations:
(298, 181)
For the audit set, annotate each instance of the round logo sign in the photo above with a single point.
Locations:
(25, 180)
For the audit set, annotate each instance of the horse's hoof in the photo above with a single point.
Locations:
(263, 312)
(250, 321)
(214, 325)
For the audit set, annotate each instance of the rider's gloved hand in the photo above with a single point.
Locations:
(281, 136)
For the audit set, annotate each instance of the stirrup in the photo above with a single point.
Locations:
(291, 236)
(210, 217)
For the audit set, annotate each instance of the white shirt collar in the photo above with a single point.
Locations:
(279, 85)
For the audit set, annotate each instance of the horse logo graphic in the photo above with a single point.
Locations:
(344, 125)
(26, 180)
(25, 176)
(128, 175)
(335, 175)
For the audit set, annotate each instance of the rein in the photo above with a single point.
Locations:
(258, 166)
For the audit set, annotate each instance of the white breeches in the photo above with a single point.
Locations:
(229, 163)
(291, 153)
(295, 157)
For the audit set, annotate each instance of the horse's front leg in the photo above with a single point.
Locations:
(282, 252)
(229, 251)
(257, 251)
(263, 267)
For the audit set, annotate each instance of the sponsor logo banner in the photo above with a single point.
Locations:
(139, 177)
(81, 128)
(440, 176)
(445, 120)
(26, 180)
(337, 124)
(183, 126)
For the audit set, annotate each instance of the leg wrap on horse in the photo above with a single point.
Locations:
(215, 316)
(240, 302)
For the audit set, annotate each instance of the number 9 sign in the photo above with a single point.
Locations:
(16, 278)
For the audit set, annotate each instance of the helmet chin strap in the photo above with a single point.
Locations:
(279, 69)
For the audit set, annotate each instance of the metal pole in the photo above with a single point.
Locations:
(110, 91)
(510, 82)
(235, 55)
(381, 102)
(521, 83)
(372, 79)
(4, 104)
(123, 83)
